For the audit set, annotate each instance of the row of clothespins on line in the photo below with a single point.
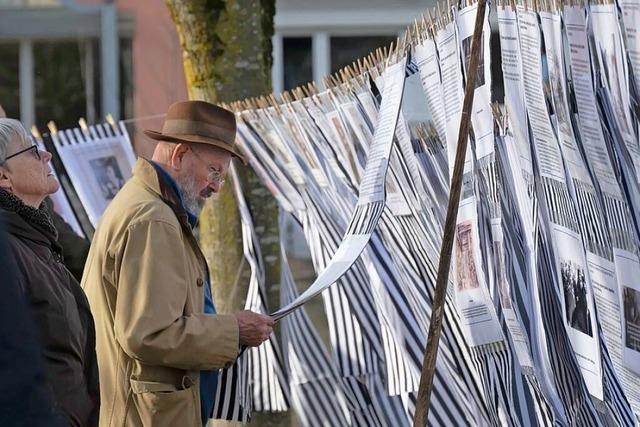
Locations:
(424, 27)
(89, 132)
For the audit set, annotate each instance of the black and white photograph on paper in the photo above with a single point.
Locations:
(466, 51)
(108, 175)
(361, 164)
(576, 304)
(501, 276)
(557, 86)
(466, 270)
(615, 77)
(631, 301)
(98, 169)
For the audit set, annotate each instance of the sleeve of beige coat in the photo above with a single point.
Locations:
(152, 289)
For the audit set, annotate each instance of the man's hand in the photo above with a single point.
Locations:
(254, 328)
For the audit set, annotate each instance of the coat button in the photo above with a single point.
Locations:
(187, 382)
(199, 282)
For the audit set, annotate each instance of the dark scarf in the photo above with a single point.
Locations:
(37, 218)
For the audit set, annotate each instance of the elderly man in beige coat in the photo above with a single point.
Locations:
(147, 281)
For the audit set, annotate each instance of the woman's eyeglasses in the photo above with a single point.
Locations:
(34, 147)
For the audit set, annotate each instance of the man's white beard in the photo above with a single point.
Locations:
(191, 198)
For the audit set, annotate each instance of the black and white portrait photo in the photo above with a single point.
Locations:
(467, 273)
(557, 86)
(108, 175)
(466, 51)
(574, 285)
(631, 301)
(501, 275)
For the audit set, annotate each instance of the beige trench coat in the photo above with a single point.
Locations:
(144, 280)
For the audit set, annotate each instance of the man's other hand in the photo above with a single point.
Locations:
(254, 328)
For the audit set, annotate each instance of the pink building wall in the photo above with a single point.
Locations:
(158, 74)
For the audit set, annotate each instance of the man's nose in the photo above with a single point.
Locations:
(45, 156)
(214, 186)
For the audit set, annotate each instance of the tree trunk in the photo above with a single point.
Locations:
(227, 56)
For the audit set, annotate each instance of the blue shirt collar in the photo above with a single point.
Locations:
(193, 219)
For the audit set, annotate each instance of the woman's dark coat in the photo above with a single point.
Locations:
(59, 308)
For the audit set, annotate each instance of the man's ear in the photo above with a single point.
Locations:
(5, 180)
(177, 156)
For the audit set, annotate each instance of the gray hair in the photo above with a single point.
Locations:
(10, 130)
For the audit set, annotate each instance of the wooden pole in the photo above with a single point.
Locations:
(435, 326)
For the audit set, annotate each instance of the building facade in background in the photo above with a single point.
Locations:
(62, 60)
(65, 59)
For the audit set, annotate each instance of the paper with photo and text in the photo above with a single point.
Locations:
(610, 280)
(571, 268)
(372, 196)
(470, 279)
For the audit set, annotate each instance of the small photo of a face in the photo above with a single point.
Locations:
(466, 50)
(576, 296)
(501, 275)
(466, 270)
(631, 302)
(108, 175)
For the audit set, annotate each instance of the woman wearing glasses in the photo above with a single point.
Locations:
(58, 304)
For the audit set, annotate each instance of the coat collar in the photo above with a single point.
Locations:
(147, 173)
(25, 222)
(164, 176)
(25, 228)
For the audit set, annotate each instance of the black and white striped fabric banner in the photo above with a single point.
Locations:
(257, 381)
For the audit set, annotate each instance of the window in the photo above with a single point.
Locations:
(126, 78)
(10, 79)
(12, 4)
(59, 84)
(297, 61)
(67, 81)
(345, 50)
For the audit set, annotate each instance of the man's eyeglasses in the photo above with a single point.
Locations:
(214, 174)
(34, 147)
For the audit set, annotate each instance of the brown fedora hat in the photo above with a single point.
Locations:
(199, 122)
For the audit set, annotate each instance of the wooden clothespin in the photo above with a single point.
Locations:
(274, 102)
(409, 38)
(423, 28)
(305, 90)
(344, 75)
(429, 22)
(358, 66)
(416, 30)
(53, 129)
(83, 126)
(112, 123)
(331, 82)
(35, 132)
